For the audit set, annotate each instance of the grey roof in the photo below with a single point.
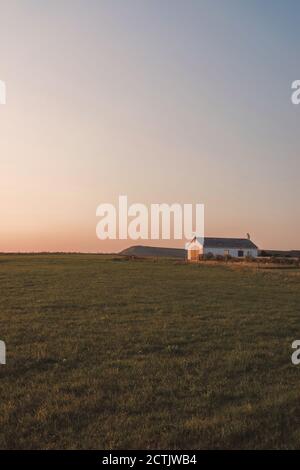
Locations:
(210, 242)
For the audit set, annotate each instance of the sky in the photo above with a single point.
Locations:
(163, 101)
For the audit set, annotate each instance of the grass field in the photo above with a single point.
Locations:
(110, 354)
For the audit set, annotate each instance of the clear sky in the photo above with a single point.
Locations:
(164, 101)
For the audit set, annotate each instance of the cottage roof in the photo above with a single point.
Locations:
(240, 243)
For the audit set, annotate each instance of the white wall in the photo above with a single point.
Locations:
(232, 251)
(220, 251)
(194, 246)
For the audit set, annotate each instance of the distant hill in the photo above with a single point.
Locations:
(153, 251)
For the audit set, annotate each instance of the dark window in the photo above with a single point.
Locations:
(240, 253)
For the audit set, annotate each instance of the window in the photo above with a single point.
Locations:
(240, 253)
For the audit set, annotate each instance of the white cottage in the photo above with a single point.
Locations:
(235, 247)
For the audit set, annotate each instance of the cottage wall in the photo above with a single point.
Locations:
(231, 251)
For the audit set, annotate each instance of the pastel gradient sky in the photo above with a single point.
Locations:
(164, 101)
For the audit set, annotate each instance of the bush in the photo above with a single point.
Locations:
(208, 256)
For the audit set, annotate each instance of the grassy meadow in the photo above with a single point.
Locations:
(109, 353)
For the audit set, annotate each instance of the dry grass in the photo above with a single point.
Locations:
(143, 354)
